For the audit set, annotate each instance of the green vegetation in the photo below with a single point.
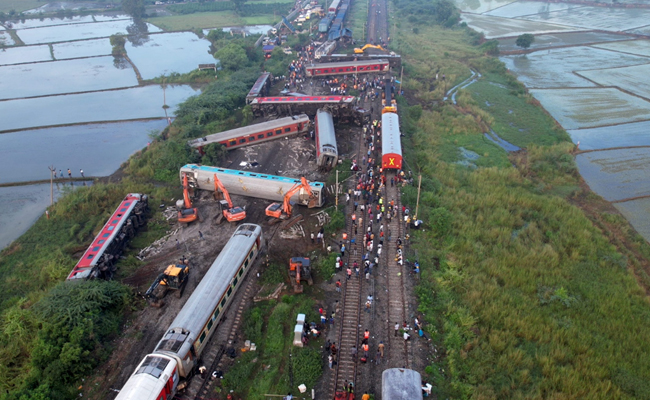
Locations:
(118, 42)
(525, 295)
(524, 41)
(356, 21)
(217, 19)
(277, 366)
(244, 10)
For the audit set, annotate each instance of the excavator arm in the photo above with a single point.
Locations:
(218, 186)
(186, 192)
(272, 210)
(232, 214)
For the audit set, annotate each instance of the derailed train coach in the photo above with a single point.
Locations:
(174, 360)
(401, 384)
(326, 150)
(98, 261)
(253, 184)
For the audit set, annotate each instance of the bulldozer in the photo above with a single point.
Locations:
(228, 211)
(299, 270)
(174, 277)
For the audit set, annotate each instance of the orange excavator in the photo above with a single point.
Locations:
(230, 213)
(283, 211)
(186, 213)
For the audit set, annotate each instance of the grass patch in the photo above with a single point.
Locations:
(519, 122)
(525, 295)
(357, 19)
(277, 366)
(19, 5)
(219, 19)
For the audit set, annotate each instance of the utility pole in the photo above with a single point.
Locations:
(401, 79)
(417, 202)
(52, 169)
(337, 190)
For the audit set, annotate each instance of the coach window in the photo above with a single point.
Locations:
(223, 302)
(269, 134)
(242, 140)
(234, 282)
(232, 143)
(216, 314)
(278, 131)
(287, 129)
(202, 338)
(251, 138)
(241, 272)
(210, 325)
(260, 136)
(229, 291)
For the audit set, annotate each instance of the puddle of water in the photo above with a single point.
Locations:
(563, 39)
(624, 135)
(115, 105)
(67, 76)
(98, 149)
(633, 79)
(505, 145)
(468, 154)
(169, 52)
(83, 48)
(102, 18)
(616, 174)
(554, 68)
(588, 17)
(38, 23)
(24, 54)
(65, 33)
(590, 108)
(495, 27)
(6, 39)
(23, 205)
(637, 211)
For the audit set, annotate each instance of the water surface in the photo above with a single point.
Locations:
(24, 54)
(67, 76)
(98, 149)
(169, 52)
(65, 33)
(114, 105)
(82, 48)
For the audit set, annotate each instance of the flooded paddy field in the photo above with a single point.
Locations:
(640, 47)
(6, 38)
(624, 135)
(554, 68)
(480, 6)
(90, 74)
(115, 105)
(637, 211)
(566, 39)
(632, 79)
(82, 48)
(169, 52)
(587, 108)
(65, 33)
(25, 54)
(22, 206)
(99, 149)
(608, 19)
(53, 21)
(495, 27)
(616, 174)
(525, 8)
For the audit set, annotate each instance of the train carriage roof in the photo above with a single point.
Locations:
(326, 133)
(390, 134)
(341, 64)
(306, 99)
(401, 384)
(247, 130)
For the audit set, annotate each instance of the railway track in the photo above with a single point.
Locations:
(398, 349)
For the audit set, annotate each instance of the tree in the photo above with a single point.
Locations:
(134, 8)
(238, 4)
(232, 57)
(524, 41)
